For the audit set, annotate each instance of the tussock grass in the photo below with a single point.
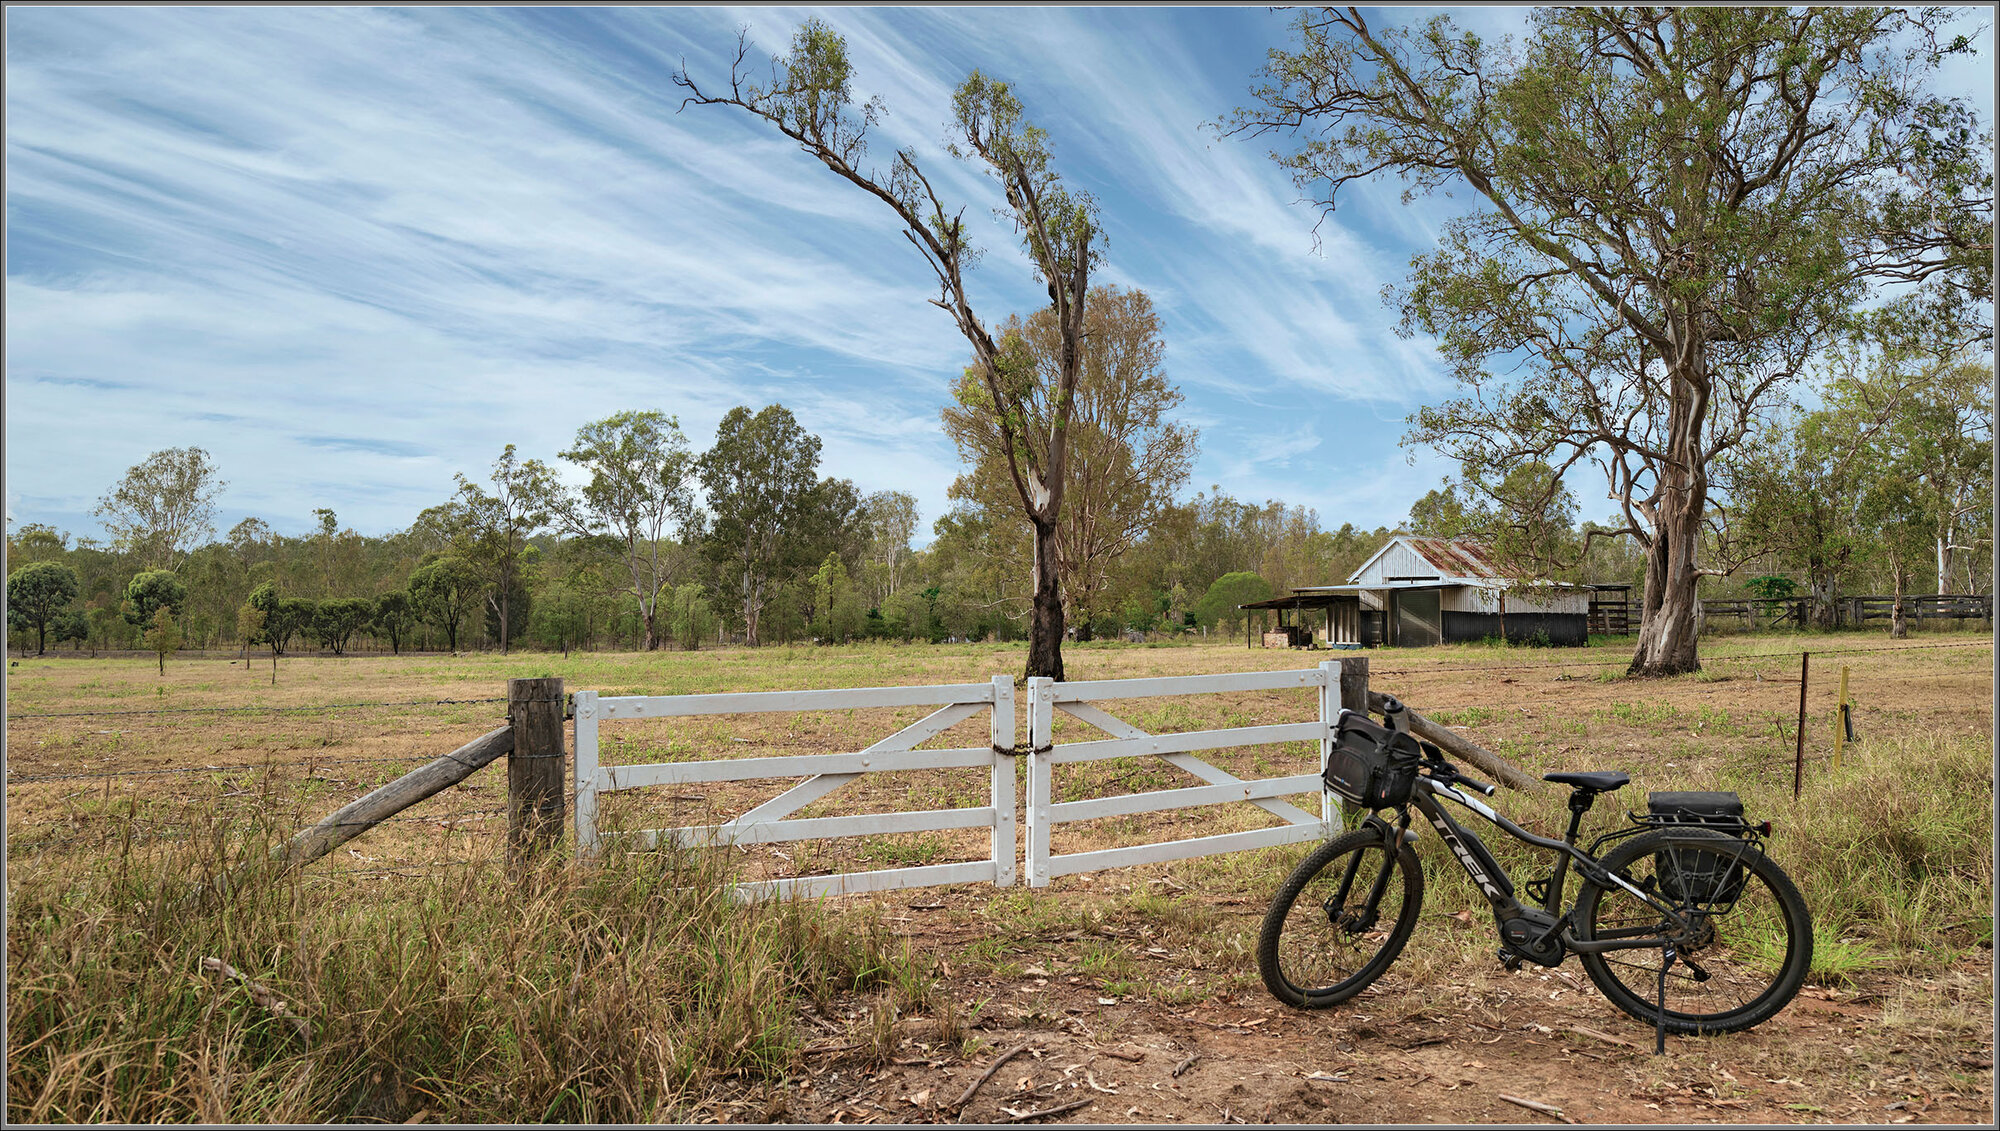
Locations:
(1893, 851)
(582, 993)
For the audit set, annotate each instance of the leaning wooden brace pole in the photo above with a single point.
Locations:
(355, 818)
(1458, 746)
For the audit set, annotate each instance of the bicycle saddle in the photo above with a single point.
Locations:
(1594, 781)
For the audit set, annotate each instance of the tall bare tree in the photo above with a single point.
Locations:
(808, 99)
(1679, 206)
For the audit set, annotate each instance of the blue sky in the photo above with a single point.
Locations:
(353, 251)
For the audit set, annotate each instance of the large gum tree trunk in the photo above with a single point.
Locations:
(1671, 621)
(1045, 630)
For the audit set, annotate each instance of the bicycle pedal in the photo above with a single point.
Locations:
(1510, 960)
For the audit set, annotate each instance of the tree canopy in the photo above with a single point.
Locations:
(37, 594)
(163, 505)
(1676, 208)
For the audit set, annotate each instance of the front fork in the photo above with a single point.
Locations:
(1356, 920)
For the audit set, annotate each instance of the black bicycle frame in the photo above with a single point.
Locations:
(1494, 883)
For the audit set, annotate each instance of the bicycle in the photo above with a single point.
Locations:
(1723, 919)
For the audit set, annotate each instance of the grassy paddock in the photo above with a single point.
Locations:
(431, 983)
(611, 993)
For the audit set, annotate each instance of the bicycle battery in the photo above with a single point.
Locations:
(1700, 877)
(1371, 765)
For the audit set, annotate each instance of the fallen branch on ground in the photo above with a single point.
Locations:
(965, 1097)
(1536, 1105)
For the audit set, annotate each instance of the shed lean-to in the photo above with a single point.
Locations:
(1418, 591)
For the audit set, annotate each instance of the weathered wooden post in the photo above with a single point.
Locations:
(1354, 683)
(534, 766)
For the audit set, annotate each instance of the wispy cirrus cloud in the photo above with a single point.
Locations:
(356, 251)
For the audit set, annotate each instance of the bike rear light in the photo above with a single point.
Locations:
(1764, 829)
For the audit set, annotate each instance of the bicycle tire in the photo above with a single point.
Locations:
(1308, 956)
(1755, 949)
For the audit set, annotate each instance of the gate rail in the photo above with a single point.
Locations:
(1076, 699)
(824, 773)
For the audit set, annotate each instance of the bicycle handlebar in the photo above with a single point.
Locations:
(1475, 784)
(1447, 774)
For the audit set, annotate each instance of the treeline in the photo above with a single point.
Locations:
(659, 546)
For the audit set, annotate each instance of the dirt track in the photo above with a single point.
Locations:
(1450, 1051)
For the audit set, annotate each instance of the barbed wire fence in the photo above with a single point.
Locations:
(286, 791)
(292, 782)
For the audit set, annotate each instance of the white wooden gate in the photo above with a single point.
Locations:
(1046, 697)
(824, 773)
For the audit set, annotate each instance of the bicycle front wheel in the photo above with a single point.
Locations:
(1339, 920)
(1744, 954)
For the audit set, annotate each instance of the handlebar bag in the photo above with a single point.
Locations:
(1370, 764)
(1700, 877)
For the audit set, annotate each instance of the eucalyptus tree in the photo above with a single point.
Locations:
(771, 517)
(641, 485)
(1674, 208)
(1127, 455)
(892, 522)
(163, 507)
(36, 542)
(491, 531)
(808, 99)
(442, 590)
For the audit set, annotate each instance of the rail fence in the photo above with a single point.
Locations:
(60, 801)
(1079, 700)
(767, 823)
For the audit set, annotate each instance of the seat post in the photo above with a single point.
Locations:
(1580, 801)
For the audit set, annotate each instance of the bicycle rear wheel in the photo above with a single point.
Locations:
(1339, 920)
(1747, 952)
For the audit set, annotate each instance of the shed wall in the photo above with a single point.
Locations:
(1399, 560)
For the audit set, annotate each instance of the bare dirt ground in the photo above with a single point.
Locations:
(1463, 1046)
(1130, 995)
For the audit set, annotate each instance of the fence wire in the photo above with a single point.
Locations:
(251, 710)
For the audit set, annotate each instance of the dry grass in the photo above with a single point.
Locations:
(619, 993)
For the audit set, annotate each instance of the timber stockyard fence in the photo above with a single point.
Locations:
(1613, 616)
(531, 742)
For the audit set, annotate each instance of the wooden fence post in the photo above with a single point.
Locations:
(1354, 683)
(534, 766)
(1799, 758)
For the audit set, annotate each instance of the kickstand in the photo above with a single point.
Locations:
(1667, 956)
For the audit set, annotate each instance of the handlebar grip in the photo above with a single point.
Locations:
(1476, 785)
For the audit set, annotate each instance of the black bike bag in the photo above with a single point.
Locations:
(1700, 877)
(1370, 764)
